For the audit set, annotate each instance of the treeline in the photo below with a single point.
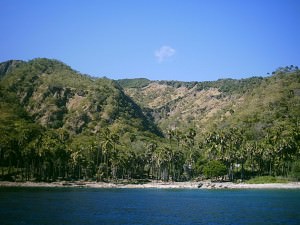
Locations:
(134, 83)
(34, 153)
(226, 86)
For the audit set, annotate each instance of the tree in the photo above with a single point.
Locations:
(296, 170)
(108, 143)
(163, 157)
(214, 169)
(150, 158)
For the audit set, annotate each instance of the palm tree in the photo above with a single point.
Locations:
(150, 157)
(163, 157)
(76, 161)
(109, 150)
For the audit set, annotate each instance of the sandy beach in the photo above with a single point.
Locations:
(157, 185)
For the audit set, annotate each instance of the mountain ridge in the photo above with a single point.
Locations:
(64, 90)
(56, 122)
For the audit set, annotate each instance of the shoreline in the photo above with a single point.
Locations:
(155, 185)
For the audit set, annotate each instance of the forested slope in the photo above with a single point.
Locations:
(56, 123)
(252, 123)
(71, 114)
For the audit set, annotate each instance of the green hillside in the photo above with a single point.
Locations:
(73, 113)
(134, 83)
(252, 123)
(56, 123)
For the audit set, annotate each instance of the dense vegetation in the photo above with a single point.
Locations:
(56, 123)
(226, 86)
(134, 83)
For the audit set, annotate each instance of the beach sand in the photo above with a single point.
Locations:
(157, 185)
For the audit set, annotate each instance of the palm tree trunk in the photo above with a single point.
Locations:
(242, 172)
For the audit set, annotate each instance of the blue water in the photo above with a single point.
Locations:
(74, 206)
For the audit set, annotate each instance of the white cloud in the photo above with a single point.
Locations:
(164, 53)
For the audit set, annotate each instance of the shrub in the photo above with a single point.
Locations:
(214, 169)
(266, 180)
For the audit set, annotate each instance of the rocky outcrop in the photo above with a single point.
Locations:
(8, 66)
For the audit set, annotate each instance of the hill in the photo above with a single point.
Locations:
(71, 113)
(182, 105)
(59, 124)
(56, 96)
(251, 123)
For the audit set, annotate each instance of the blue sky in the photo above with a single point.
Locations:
(158, 39)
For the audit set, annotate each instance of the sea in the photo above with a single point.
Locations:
(58, 206)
